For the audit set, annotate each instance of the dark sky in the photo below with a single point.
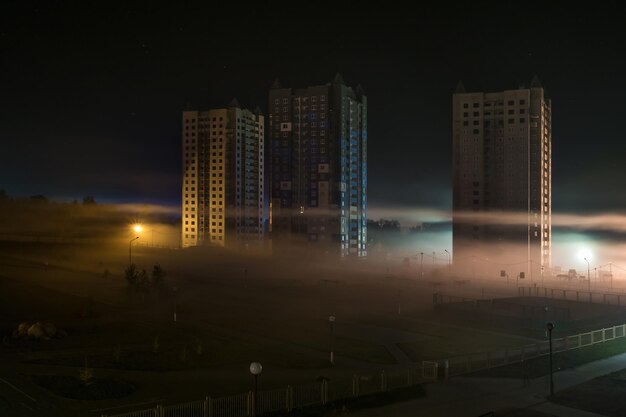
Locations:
(91, 95)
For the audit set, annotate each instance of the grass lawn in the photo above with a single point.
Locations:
(540, 366)
(456, 344)
(157, 346)
(346, 406)
(94, 389)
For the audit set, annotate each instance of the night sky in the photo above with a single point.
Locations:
(91, 96)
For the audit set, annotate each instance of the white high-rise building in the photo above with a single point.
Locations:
(502, 178)
(223, 176)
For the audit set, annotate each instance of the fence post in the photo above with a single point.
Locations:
(355, 385)
(289, 398)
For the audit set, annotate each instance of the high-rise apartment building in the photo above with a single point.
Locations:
(318, 166)
(502, 179)
(223, 176)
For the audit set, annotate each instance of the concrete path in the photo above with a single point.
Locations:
(472, 396)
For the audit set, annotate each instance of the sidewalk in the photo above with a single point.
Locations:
(472, 396)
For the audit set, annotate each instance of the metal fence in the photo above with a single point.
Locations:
(596, 297)
(466, 364)
(295, 397)
(289, 398)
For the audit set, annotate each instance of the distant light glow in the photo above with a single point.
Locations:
(137, 228)
(585, 253)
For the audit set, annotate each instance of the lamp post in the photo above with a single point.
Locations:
(422, 264)
(175, 291)
(331, 320)
(255, 369)
(588, 277)
(434, 259)
(550, 326)
(399, 302)
(130, 245)
(449, 258)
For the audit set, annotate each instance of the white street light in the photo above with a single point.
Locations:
(255, 369)
(588, 277)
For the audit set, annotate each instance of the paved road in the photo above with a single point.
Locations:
(471, 396)
(19, 397)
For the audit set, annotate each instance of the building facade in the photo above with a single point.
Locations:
(318, 166)
(223, 177)
(502, 179)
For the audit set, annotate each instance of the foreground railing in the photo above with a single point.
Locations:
(289, 398)
(296, 397)
(466, 364)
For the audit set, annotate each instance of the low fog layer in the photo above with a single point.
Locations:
(601, 238)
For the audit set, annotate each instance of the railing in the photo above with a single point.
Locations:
(289, 398)
(466, 364)
(191, 409)
(596, 297)
(233, 406)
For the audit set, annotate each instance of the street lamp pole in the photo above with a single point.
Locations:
(550, 326)
(130, 245)
(449, 258)
(422, 264)
(255, 369)
(331, 320)
(588, 277)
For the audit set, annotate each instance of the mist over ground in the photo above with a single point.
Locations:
(195, 318)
